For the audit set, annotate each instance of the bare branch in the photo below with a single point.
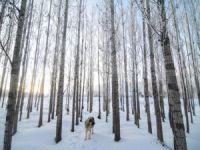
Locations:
(4, 50)
(14, 6)
(146, 18)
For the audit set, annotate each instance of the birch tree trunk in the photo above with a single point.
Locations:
(61, 78)
(99, 86)
(137, 94)
(146, 91)
(68, 89)
(77, 63)
(133, 47)
(24, 69)
(55, 61)
(175, 113)
(33, 78)
(14, 79)
(54, 70)
(161, 97)
(83, 91)
(154, 80)
(44, 67)
(115, 97)
(181, 64)
(194, 60)
(91, 86)
(125, 62)
(191, 88)
(81, 72)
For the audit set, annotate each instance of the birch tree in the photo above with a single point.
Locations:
(175, 114)
(14, 79)
(181, 64)
(55, 63)
(153, 78)
(76, 74)
(146, 91)
(44, 67)
(125, 62)
(24, 69)
(35, 67)
(115, 98)
(61, 78)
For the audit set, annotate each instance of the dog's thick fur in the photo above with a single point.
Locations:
(89, 127)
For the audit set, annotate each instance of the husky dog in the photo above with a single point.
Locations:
(89, 127)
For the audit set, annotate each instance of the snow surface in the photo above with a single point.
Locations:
(30, 137)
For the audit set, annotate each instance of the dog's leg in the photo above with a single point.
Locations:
(85, 134)
(90, 134)
(92, 130)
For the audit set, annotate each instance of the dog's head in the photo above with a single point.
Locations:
(91, 121)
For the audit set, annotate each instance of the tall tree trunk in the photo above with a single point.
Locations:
(54, 71)
(125, 62)
(83, 91)
(91, 87)
(99, 87)
(68, 89)
(146, 91)
(191, 89)
(77, 63)
(153, 78)
(55, 62)
(137, 95)
(37, 97)
(107, 90)
(24, 69)
(35, 67)
(181, 64)
(121, 86)
(44, 67)
(88, 89)
(82, 63)
(160, 88)
(175, 113)
(115, 97)
(194, 60)
(133, 47)
(81, 78)
(61, 79)
(14, 79)
(76, 76)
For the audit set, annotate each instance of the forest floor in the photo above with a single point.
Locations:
(30, 137)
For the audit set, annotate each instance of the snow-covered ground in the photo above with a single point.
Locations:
(30, 137)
